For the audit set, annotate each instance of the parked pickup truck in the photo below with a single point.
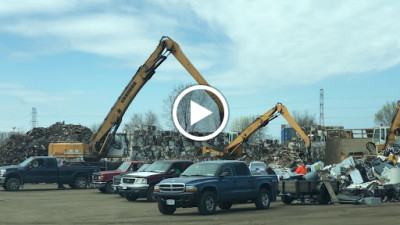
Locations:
(141, 184)
(44, 169)
(207, 184)
(117, 179)
(103, 180)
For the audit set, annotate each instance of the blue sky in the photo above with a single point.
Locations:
(72, 59)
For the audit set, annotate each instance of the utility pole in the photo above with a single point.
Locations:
(34, 117)
(321, 113)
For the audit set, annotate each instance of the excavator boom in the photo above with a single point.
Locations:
(105, 135)
(236, 148)
(394, 129)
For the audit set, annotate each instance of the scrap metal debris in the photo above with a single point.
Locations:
(36, 141)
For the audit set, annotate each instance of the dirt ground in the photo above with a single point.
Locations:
(44, 204)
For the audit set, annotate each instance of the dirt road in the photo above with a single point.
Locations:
(44, 204)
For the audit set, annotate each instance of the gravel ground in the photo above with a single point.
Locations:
(44, 204)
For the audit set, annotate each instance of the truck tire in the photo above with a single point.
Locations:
(263, 199)
(208, 203)
(81, 182)
(109, 187)
(166, 209)
(287, 199)
(13, 184)
(131, 197)
(225, 205)
(150, 194)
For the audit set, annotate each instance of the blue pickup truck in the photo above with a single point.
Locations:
(207, 184)
(44, 169)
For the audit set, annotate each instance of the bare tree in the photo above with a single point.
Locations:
(150, 118)
(385, 115)
(241, 123)
(304, 119)
(136, 120)
(208, 124)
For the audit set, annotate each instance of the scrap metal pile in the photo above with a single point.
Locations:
(371, 176)
(36, 142)
(149, 144)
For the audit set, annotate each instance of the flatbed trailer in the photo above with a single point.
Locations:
(315, 190)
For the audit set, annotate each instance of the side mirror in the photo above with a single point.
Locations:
(29, 167)
(224, 174)
(172, 171)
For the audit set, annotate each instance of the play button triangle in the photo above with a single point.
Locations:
(197, 112)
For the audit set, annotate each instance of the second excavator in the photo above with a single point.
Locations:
(235, 148)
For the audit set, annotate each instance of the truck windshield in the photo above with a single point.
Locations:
(158, 167)
(201, 169)
(26, 162)
(124, 166)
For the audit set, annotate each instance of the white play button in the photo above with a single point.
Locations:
(197, 112)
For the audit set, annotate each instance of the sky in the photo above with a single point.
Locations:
(72, 59)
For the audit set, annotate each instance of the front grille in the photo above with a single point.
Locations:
(128, 180)
(116, 181)
(171, 188)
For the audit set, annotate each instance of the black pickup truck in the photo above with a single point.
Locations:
(44, 169)
(207, 184)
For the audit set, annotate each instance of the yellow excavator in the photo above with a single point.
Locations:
(236, 147)
(383, 136)
(105, 143)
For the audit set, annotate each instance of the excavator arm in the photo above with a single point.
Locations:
(394, 129)
(236, 147)
(106, 133)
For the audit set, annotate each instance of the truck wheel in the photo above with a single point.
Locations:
(13, 184)
(207, 203)
(131, 197)
(225, 205)
(150, 194)
(166, 209)
(109, 187)
(81, 183)
(287, 199)
(263, 199)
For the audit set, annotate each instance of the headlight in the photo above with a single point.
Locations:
(141, 181)
(156, 188)
(191, 189)
(2, 172)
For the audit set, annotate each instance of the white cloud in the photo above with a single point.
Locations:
(303, 42)
(237, 45)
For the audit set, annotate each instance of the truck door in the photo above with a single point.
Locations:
(225, 183)
(49, 171)
(242, 184)
(34, 171)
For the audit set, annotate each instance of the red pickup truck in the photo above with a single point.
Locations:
(103, 180)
